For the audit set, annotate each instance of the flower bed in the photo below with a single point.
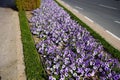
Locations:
(68, 50)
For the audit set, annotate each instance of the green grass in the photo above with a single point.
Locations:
(108, 47)
(33, 66)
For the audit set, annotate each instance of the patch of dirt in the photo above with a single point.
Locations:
(29, 15)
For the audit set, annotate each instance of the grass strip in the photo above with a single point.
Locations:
(34, 68)
(108, 47)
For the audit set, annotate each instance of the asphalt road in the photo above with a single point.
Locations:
(106, 13)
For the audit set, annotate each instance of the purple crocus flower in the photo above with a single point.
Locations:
(68, 49)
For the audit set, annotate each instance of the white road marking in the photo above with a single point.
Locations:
(117, 22)
(89, 19)
(76, 10)
(112, 34)
(62, 1)
(110, 7)
(78, 7)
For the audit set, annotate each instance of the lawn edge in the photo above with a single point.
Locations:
(33, 66)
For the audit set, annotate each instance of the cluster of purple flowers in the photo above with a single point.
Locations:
(68, 50)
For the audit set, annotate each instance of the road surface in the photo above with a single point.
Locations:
(106, 13)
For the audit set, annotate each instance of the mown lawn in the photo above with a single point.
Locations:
(33, 65)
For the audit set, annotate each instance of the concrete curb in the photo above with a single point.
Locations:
(109, 37)
(20, 57)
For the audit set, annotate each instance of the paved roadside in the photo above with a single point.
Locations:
(104, 33)
(11, 53)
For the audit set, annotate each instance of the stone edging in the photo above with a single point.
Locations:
(20, 57)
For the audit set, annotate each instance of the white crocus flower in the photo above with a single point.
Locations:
(78, 50)
(63, 66)
(75, 74)
(93, 73)
(71, 71)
